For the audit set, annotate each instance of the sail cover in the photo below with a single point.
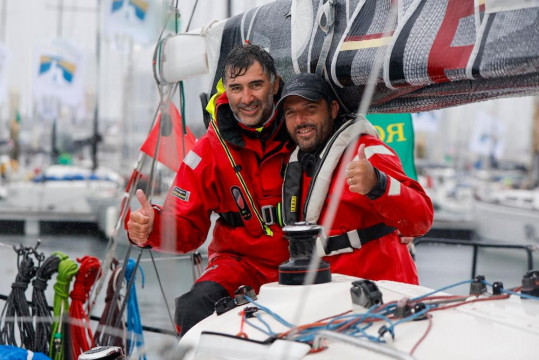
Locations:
(432, 53)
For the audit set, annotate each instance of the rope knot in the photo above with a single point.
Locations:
(19, 285)
(39, 283)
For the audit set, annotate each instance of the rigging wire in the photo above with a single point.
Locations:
(130, 189)
(163, 295)
(165, 95)
(110, 312)
(128, 288)
(112, 317)
(191, 17)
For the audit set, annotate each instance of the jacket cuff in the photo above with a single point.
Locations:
(380, 188)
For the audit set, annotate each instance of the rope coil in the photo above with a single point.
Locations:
(17, 309)
(81, 335)
(40, 308)
(66, 271)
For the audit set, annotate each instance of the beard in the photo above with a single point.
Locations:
(321, 134)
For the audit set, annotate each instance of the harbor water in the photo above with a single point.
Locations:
(438, 265)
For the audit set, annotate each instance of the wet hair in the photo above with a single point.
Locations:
(241, 58)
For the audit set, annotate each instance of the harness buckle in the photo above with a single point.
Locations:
(267, 214)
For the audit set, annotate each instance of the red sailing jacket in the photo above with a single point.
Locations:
(403, 206)
(206, 182)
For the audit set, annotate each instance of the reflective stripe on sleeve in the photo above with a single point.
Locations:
(192, 160)
(377, 149)
(394, 187)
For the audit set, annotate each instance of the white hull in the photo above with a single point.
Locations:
(505, 223)
(497, 329)
(69, 194)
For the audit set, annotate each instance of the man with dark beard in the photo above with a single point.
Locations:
(379, 202)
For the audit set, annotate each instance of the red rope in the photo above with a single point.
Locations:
(81, 335)
(429, 326)
(242, 334)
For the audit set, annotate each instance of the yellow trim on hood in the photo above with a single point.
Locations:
(211, 104)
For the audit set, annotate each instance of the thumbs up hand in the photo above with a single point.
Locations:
(140, 222)
(360, 174)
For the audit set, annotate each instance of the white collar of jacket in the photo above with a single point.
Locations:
(321, 181)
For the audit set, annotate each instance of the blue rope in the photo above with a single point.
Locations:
(359, 323)
(9, 352)
(442, 289)
(523, 296)
(276, 316)
(134, 323)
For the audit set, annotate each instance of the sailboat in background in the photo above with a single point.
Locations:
(61, 182)
(506, 205)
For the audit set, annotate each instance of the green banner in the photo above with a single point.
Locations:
(397, 131)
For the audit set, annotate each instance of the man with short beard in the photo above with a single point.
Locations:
(235, 170)
(379, 202)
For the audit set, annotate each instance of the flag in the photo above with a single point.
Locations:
(58, 73)
(137, 19)
(173, 146)
(397, 131)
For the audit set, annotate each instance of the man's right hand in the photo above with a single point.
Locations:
(140, 222)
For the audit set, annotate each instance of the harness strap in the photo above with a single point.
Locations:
(265, 228)
(270, 214)
(347, 242)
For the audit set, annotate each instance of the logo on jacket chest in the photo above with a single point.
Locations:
(181, 193)
(241, 203)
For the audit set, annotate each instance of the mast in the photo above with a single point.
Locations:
(95, 134)
(3, 27)
(54, 150)
(228, 9)
(3, 21)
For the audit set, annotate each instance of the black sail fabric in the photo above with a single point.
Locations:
(438, 53)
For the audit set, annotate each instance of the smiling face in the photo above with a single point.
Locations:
(250, 95)
(309, 123)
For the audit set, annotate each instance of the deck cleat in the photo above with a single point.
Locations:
(478, 287)
(365, 293)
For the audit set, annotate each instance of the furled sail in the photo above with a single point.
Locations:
(433, 53)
